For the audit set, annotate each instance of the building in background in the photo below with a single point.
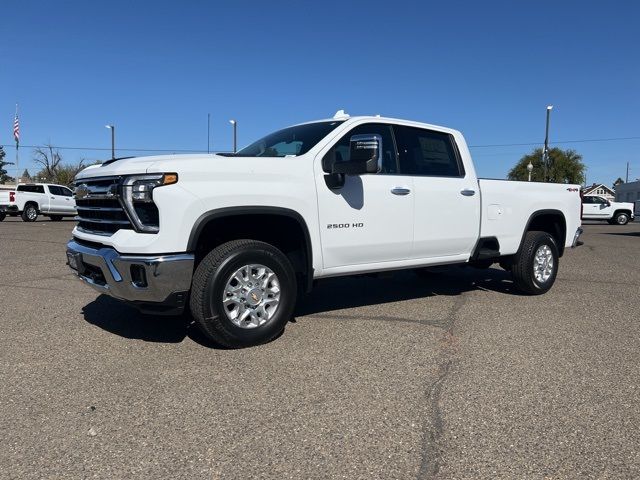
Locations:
(599, 190)
(629, 192)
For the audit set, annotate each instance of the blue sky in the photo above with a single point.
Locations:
(156, 68)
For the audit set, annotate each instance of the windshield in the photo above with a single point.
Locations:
(294, 141)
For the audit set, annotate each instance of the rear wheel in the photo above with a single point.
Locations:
(243, 293)
(30, 213)
(621, 218)
(535, 266)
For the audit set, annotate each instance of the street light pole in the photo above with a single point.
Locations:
(208, 131)
(113, 140)
(235, 135)
(530, 169)
(545, 152)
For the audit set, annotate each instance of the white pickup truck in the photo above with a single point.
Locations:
(235, 236)
(31, 199)
(598, 208)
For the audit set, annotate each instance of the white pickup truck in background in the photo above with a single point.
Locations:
(33, 199)
(234, 236)
(598, 208)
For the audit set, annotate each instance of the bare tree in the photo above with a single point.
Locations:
(49, 157)
(53, 170)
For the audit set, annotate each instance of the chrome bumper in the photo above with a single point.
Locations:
(576, 238)
(154, 279)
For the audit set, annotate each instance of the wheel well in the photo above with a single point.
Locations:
(287, 233)
(553, 223)
(622, 210)
(31, 202)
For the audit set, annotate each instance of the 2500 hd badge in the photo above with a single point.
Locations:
(345, 225)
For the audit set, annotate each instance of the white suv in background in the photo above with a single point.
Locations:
(598, 208)
(33, 199)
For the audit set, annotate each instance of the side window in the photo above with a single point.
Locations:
(426, 152)
(66, 192)
(340, 152)
(55, 190)
(39, 189)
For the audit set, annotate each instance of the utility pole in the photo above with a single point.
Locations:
(235, 135)
(627, 178)
(113, 140)
(545, 152)
(208, 130)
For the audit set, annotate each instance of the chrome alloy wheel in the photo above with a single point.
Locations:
(543, 264)
(251, 296)
(32, 213)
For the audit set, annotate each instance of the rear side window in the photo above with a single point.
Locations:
(426, 152)
(31, 188)
(55, 190)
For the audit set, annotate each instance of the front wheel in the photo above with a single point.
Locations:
(535, 266)
(30, 213)
(243, 293)
(621, 219)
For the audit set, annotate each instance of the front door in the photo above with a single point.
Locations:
(369, 219)
(595, 208)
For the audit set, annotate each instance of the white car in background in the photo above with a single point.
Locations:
(598, 208)
(33, 199)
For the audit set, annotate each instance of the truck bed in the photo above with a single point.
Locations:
(507, 207)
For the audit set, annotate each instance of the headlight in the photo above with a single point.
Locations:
(137, 193)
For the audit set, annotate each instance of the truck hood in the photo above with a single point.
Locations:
(195, 165)
(134, 165)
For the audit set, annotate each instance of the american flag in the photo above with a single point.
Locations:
(16, 129)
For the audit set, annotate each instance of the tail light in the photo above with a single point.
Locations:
(581, 204)
(12, 196)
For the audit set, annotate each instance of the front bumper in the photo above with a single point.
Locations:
(153, 283)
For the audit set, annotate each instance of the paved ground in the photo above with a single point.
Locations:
(451, 377)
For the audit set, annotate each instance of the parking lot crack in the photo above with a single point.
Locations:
(434, 424)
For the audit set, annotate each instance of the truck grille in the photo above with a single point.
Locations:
(99, 208)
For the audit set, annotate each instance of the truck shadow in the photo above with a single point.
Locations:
(332, 294)
(352, 292)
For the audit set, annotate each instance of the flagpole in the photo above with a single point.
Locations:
(17, 154)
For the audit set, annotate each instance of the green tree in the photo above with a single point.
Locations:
(565, 166)
(4, 176)
(25, 175)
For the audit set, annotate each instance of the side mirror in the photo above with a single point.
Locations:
(365, 156)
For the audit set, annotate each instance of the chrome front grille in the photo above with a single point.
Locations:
(100, 210)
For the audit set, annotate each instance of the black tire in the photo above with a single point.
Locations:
(2, 216)
(621, 218)
(30, 213)
(523, 264)
(210, 280)
(55, 218)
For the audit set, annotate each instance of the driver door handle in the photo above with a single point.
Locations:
(400, 191)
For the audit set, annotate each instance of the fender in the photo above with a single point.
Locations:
(206, 217)
(539, 213)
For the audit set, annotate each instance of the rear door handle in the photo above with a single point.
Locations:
(468, 193)
(400, 191)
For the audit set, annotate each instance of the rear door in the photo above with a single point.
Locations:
(447, 199)
(62, 200)
(56, 199)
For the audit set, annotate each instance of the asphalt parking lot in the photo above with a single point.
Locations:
(453, 376)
